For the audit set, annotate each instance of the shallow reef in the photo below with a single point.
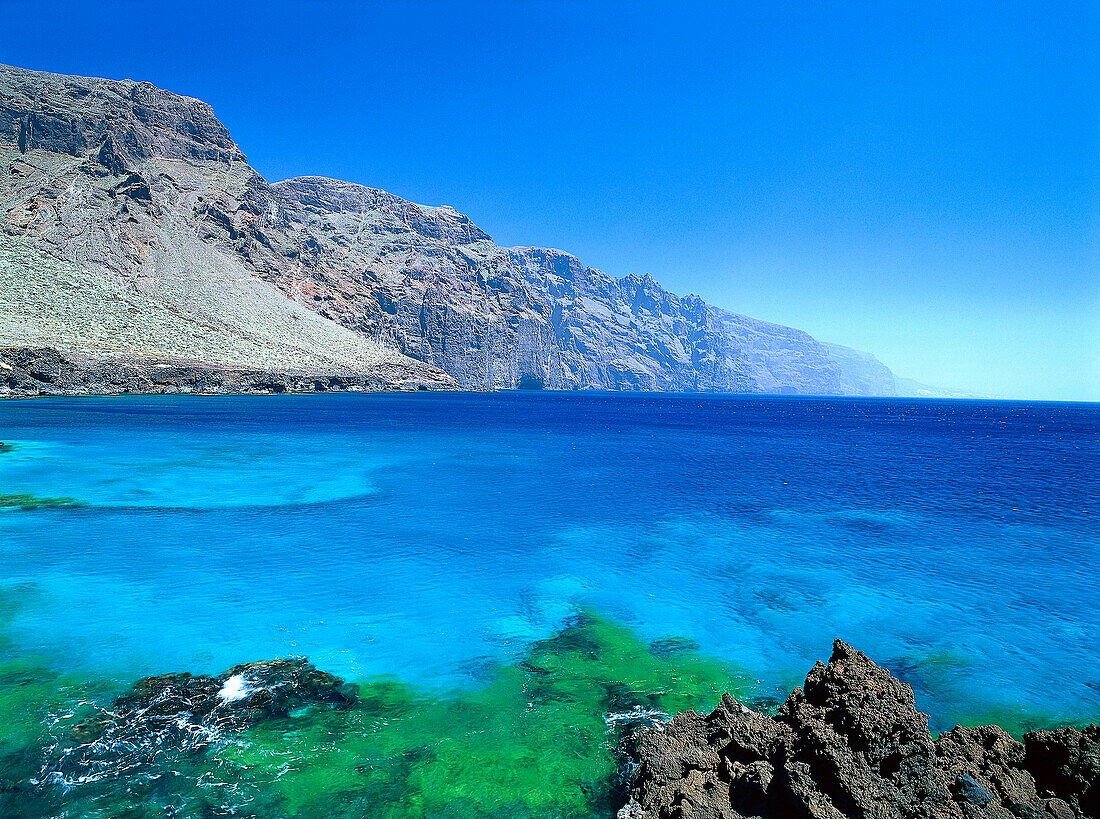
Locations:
(562, 732)
(543, 737)
(25, 502)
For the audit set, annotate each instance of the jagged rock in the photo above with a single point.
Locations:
(132, 227)
(851, 743)
(994, 760)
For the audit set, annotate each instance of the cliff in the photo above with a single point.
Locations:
(133, 229)
(105, 260)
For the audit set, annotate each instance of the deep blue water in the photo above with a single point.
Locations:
(430, 535)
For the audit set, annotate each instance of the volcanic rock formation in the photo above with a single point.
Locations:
(851, 743)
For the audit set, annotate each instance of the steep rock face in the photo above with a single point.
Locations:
(132, 227)
(105, 245)
(432, 283)
(861, 373)
(851, 743)
(120, 122)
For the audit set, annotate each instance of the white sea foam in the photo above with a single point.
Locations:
(638, 716)
(235, 688)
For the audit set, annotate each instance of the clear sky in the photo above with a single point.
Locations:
(916, 179)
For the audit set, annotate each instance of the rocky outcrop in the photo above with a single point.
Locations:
(242, 696)
(851, 743)
(132, 229)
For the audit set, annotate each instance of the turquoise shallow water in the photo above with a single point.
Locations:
(434, 536)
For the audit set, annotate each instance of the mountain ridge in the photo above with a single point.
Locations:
(145, 234)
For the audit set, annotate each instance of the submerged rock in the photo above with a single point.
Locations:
(242, 696)
(185, 713)
(851, 743)
(27, 502)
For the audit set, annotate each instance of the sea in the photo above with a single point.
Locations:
(430, 543)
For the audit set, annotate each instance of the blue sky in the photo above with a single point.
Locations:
(920, 180)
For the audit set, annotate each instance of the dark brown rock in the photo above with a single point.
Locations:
(36, 371)
(1066, 764)
(851, 743)
(992, 758)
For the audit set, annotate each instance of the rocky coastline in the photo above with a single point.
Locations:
(27, 372)
(848, 743)
(851, 743)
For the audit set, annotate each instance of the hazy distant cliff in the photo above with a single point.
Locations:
(132, 228)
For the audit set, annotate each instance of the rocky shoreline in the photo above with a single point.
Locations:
(27, 372)
(851, 743)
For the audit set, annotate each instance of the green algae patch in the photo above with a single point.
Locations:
(30, 502)
(538, 740)
(27, 690)
(29, 693)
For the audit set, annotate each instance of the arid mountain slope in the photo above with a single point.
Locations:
(132, 226)
(104, 253)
